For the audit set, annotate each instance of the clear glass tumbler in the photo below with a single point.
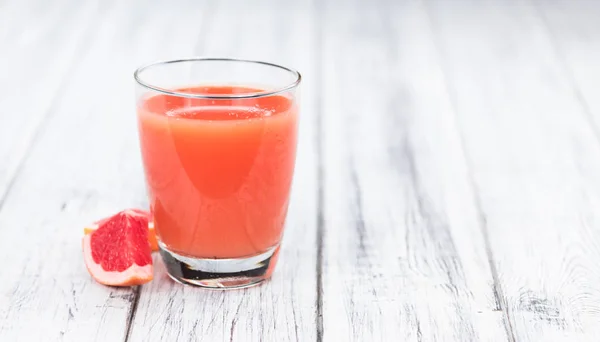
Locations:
(218, 141)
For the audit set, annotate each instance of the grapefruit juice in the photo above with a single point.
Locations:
(218, 171)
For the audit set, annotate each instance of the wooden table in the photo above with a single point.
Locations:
(447, 184)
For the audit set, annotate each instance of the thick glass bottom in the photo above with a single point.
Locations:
(219, 273)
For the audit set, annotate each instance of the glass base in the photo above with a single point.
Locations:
(219, 273)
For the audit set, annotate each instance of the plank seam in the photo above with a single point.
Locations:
(320, 167)
(132, 312)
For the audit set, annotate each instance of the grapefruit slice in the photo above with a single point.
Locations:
(117, 253)
(151, 232)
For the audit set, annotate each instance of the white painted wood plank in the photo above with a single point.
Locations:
(84, 165)
(39, 42)
(403, 253)
(283, 309)
(574, 31)
(535, 160)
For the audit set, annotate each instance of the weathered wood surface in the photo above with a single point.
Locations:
(34, 35)
(403, 253)
(534, 157)
(447, 185)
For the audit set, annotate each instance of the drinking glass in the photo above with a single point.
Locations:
(218, 141)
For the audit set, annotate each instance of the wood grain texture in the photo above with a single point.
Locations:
(535, 161)
(283, 309)
(403, 252)
(83, 165)
(39, 42)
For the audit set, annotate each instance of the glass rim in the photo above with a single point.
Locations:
(278, 90)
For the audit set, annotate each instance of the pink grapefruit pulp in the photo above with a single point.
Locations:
(117, 253)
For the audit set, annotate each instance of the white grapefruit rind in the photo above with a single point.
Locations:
(134, 275)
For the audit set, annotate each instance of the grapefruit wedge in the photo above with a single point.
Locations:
(117, 253)
(151, 232)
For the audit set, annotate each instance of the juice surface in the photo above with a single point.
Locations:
(218, 171)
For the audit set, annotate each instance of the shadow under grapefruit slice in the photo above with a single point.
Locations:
(151, 232)
(117, 253)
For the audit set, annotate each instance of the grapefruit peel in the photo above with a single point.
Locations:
(118, 255)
